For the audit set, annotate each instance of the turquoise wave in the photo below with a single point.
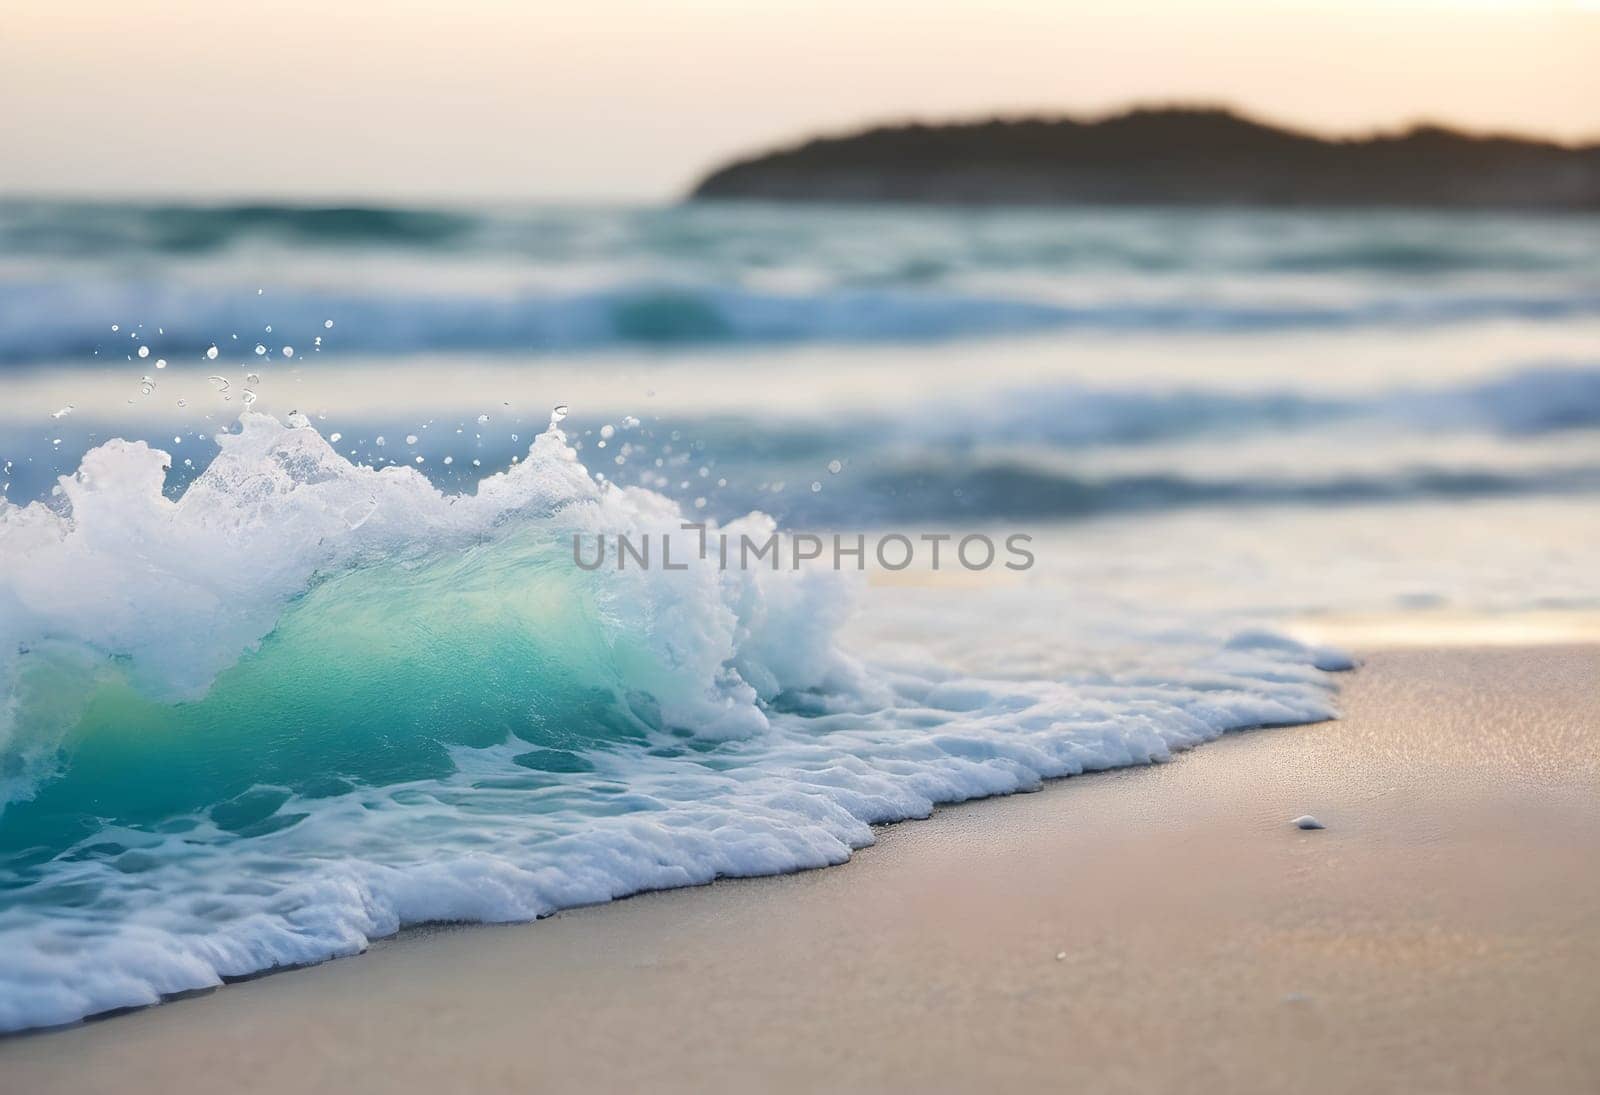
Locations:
(307, 703)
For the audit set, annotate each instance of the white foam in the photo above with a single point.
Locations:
(180, 589)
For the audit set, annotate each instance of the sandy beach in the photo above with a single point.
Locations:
(1163, 928)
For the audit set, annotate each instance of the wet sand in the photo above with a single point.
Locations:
(1162, 928)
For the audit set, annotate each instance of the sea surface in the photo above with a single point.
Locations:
(295, 650)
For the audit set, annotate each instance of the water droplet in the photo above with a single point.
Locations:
(411, 439)
(419, 459)
(629, 422)
(252, 378)
(477, 463)
(514, 437)
(147, 384)
(335, 437)
(183, 402)
(297, 421)
(211, 354)
(449, 460)
(260, 349)
(288, 351)
(379, 441)
(815, 486)
(327, 323)
(835, 466)
(144, 351)
(176, 440)
(220, 381)
(559, 413)
(161, 363)
(608, 431)
(699, 503)
(248, 396)
(114, 327)
(482, 418)
(63, 412)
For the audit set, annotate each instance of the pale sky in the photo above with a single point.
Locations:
(628, 99)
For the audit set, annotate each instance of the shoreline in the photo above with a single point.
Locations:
(1158, 926)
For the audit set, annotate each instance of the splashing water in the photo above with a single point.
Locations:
(321, 762)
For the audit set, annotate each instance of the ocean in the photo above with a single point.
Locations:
(297, 644)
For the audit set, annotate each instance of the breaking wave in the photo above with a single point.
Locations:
(306, 703)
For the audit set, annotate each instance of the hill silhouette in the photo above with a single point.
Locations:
(1178, 155)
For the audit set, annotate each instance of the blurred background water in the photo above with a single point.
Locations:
(997, 364)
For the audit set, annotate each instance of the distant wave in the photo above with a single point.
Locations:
(929, 464)
(1539, 398)
(918, 244)
(1533, 400)
(933, 458)
(73, 321)
(564, 279)
(1542, 398)
(932, 490)
(939, 461)
(102, 230)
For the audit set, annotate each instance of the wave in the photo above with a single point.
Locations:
(65, 321)
(934, 459)
(1000, 457)
(73, 321)
(1529, 400)
(919, 244)
(307, 703)
(96, 230)
(937, 490)
(1545, 398)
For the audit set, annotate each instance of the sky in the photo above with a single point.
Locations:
(631, 100)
